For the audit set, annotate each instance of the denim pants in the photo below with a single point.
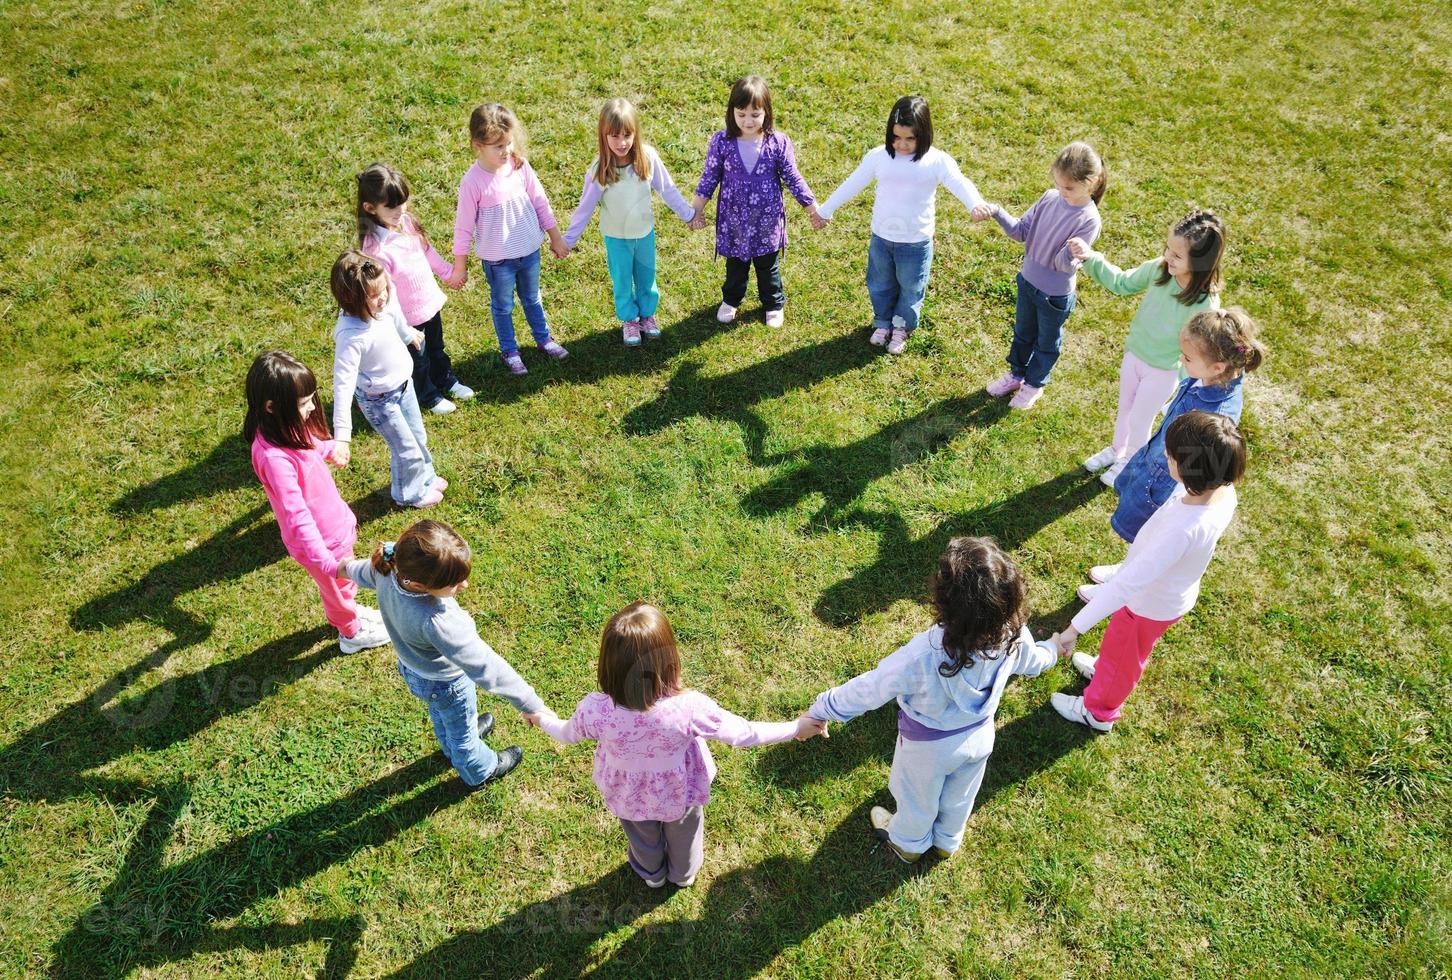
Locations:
(1038, 333)
(395, 416)
(631, 262)
(454, 711)
(433, 372)
(897, 281)
(935, 784)
(506, 277)
(768, 281)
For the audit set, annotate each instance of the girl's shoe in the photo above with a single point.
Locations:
(1005, 385)
(553, 349)
(461, 391)
(725, 313)
(1100, 574)
(649, 327)
(879, 337)
(775, 318)
(1105, 457)
(942, 852)
(881, 816)
(687, 883)
(370, 614)
(370, 634)
(1086, 592)
(630, 332)
(433, 497)
(515, 363)
(1110, 475)
(442, 407)
(1084, 663)
(1072, 709)
(898, 342)
(1025, 397)
(440, 484)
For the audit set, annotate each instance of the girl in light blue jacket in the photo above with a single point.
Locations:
(948, 681)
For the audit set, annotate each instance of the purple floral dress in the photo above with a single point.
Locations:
(751, 215)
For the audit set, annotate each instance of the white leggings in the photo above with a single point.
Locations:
(1143, 391)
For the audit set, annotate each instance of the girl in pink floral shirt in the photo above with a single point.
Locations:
(651, 761)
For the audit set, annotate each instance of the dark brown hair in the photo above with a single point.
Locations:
(1078, 161)
(428, 553)
(911, 110)
(353, 278)
(639, 662)
(1204, 234)
(749, 90)
(382, 186)
(981, 601)
(1228, 336)
(281, 380)
(1208, 450)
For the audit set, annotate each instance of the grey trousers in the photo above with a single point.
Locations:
(671, 849)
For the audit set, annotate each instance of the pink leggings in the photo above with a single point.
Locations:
(1143, 391)
(1123, 653)
(338, 593)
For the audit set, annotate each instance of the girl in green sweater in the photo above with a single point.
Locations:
(1181, 282)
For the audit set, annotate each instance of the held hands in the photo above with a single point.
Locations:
(983, 212)
(460, 273)
(340, 455)
(1065, 641)
(818, 222)
(1079, 248)
(699, 221)
(559, 248)
(533, 718)
(807, 726)
(418, 340)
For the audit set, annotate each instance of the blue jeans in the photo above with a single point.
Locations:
(631, 262)
(1038, 333)
(506, 277)
(395, 417)
(454, 710)
(897, 281)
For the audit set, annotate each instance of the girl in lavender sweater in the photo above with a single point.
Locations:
(750, 161)
(1067, 210)
(651, 762)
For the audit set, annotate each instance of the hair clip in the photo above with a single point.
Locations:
(388, 551)
(1240, 348)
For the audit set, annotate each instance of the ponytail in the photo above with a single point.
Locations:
(1228, 336)
(382, 558)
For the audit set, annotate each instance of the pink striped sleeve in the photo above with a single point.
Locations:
(538, 198)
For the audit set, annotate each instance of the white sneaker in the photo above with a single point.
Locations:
(369, 635)
(725, 313)
(898, 342)
(1072, 709)
(442, 407)
(461, 391)
(1110, 475)
(1084, 663)
(1103, 573)
(775, 318)
(370, 614)
(1086, 592)
(1105, 457)
(687, 883)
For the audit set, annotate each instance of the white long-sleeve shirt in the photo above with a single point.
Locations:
(370, 356)
(905, 210)
(1160, 575)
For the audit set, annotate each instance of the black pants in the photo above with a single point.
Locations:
(433, 372)
(768, 281)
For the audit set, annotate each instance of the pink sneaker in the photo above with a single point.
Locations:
(630, 331)
(515, 363)
(434, 496)
(898, 342)
(1025, 397)
(440, 484)
(879, 337)
(553, 349)
(649, 327)
(1005, 385)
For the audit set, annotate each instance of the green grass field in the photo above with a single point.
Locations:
(193, 779)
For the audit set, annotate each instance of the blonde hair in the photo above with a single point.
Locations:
(616, 117)
(492, 122)
(1228, 336)
(1078, 161)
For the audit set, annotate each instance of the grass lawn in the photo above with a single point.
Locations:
(193, 779)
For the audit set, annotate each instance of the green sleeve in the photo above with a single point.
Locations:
(1116, 280)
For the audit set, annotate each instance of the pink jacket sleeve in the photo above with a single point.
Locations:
(465, 214)
(581, 725)
(538, 198)
(299, 531)
(710, 720)
(441, 268)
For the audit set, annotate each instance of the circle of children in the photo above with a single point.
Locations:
(1175, 482)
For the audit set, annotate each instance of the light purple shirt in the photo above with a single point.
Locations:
(1045, 230)
(654, 765)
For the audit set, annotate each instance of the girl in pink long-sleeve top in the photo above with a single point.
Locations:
(290, 444)
(651, 761)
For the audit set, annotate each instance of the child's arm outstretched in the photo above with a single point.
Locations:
(1111, 276)
(1132, 577)
(795, 183)
(889, 679)
(590, 196)
(960, 186)
(855, 184)
(580, 726)
(1032, 659)
(661, 183)
(1018, 229)
(710, 720)
(541, 202)
(456, 637)
(294, 516)
(711, 175)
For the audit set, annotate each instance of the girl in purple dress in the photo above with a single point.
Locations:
(750, 161)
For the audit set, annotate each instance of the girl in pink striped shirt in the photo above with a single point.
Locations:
(393, 236)
(504, 213)
(651, 761)
(290, 442)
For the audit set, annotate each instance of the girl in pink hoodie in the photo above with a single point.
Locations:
(290, 443)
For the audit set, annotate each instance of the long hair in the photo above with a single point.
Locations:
(616, 117)
(749, 90)
(280, 380)
(981, 601)
(1204, 236)
(639, 661)
(383, 186)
